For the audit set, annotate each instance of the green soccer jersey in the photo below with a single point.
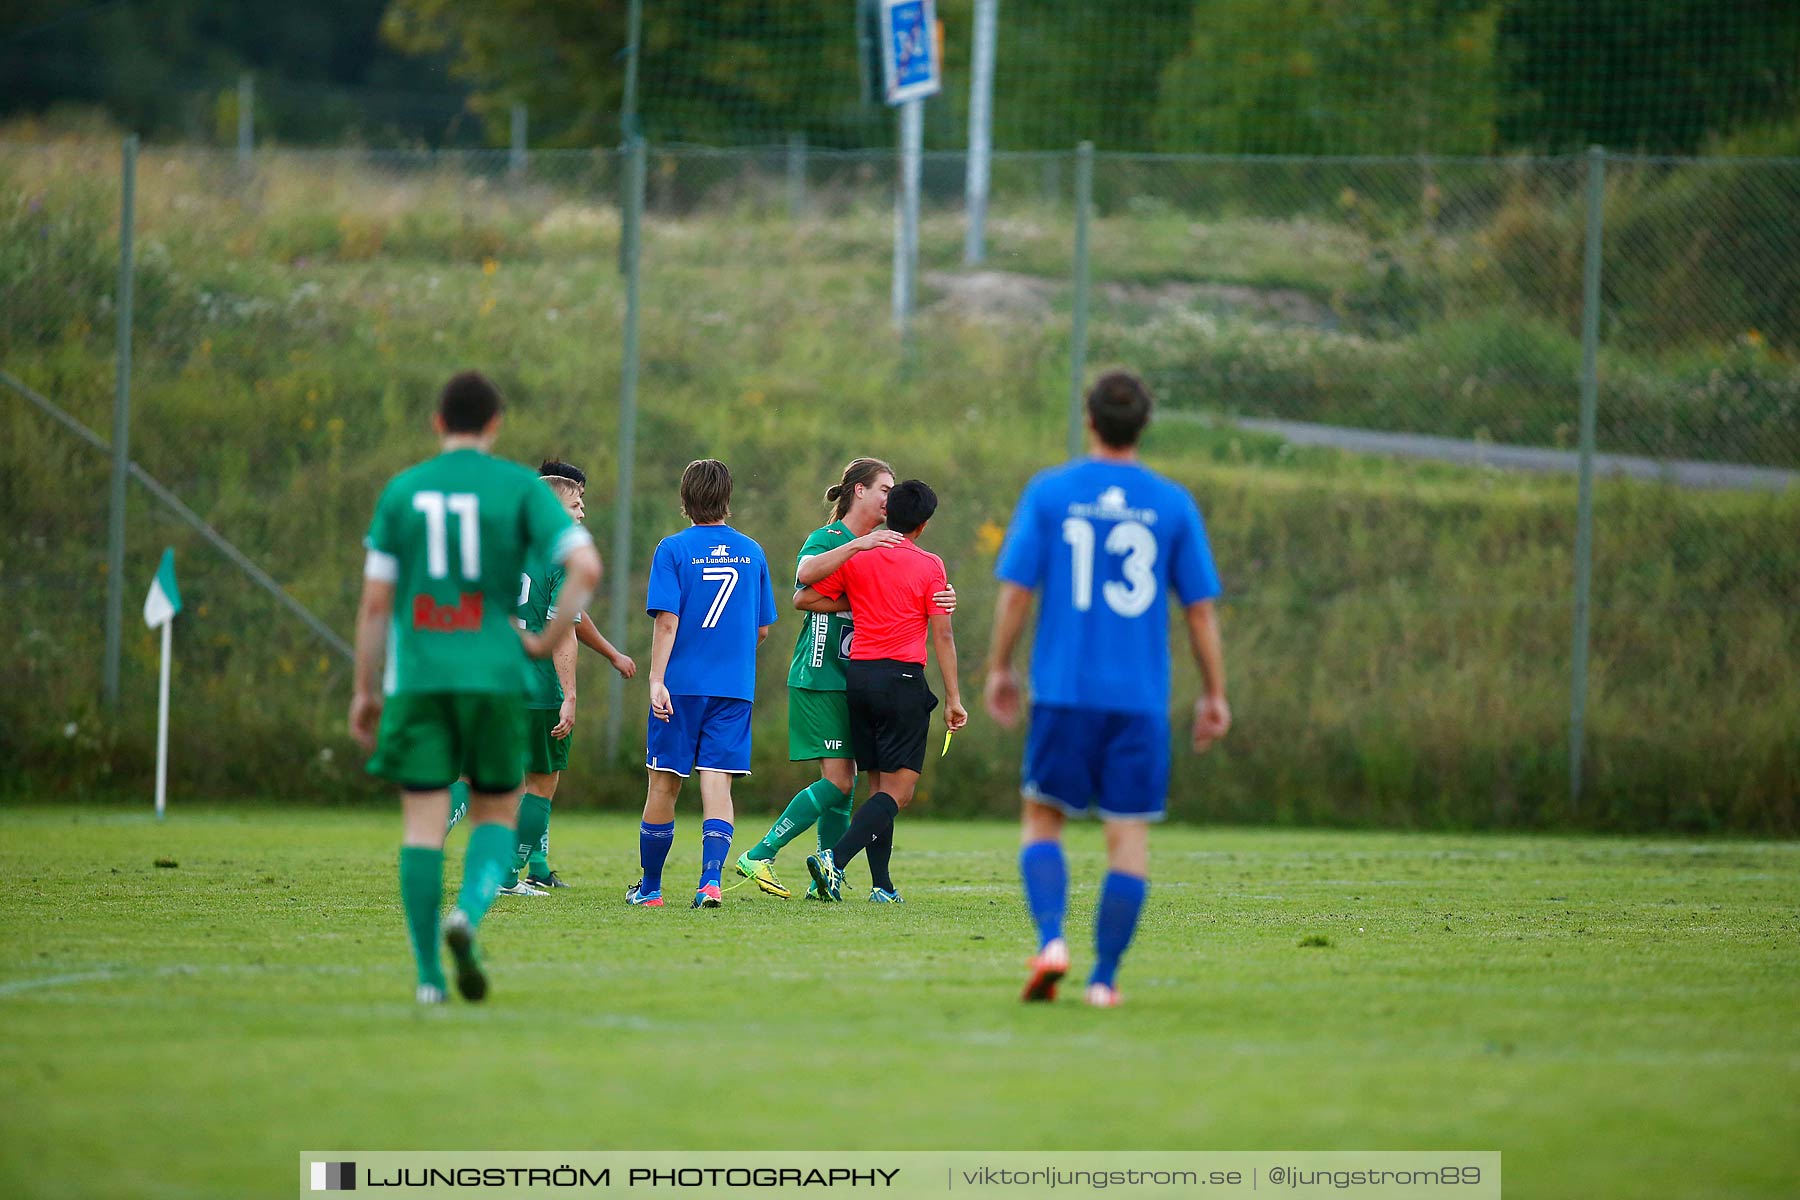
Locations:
(824, 644)
(453, 535)
(539, 586)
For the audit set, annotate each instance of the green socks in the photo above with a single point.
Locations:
(534, 825)
(459, 803)
(834, 817)
(539, 860)
(807, 807)
(421, 891)
(486, 862)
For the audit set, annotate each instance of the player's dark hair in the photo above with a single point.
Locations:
(555, 468)
(863, 471)
(1119, 405)
(706, 491)
(910, 505)
(468, 402)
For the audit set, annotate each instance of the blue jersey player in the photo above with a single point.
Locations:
(712, 602)
(1105, 539)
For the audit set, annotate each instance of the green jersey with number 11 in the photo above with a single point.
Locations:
(453, 535)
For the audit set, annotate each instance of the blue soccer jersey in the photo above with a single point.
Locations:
(717, 581)
(1105, 542)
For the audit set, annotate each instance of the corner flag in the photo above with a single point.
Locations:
(164, 600)
(160, 607)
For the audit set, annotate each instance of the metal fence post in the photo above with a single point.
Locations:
(515, 161)
(796, 176)
(1584, 517)
(981, 131)
(1078, 305)
(246, 115)
(631, 247)
(121, 433)
(628, 107)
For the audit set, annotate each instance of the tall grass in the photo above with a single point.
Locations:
(1398, 635)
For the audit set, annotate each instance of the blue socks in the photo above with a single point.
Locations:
(653, 850)
(1121, 900)
(1046, 875)
(715, 848)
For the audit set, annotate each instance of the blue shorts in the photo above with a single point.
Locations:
(1114, 762)
(705, 733)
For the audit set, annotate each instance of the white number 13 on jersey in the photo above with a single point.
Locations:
(1131, 598)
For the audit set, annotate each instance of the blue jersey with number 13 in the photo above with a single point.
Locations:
(1105, 542)
(717, 581)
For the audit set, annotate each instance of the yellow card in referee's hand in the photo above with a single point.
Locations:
(948, 734)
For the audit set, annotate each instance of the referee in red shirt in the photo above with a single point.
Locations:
(889, 591)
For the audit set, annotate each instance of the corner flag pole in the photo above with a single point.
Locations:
(160, 606)
(162, 725)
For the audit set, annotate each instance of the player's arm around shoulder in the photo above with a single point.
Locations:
(816, 566)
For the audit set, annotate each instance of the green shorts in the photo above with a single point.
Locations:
(818, 725)
(429, 739)
(544, 755)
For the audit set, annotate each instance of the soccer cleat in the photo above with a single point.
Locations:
(1048, 967)
(520, 889)
(709, 897)
(429, 993)
(1102, 995)
(548, 881)
(634, 895)
(459, 938)
(763, 871)
(884, 896)
(826, 876)
(812, 891)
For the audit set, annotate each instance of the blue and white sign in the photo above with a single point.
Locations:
(909, 50)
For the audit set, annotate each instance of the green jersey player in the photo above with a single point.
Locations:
(448, 542)
(550, 705)
(818, 717)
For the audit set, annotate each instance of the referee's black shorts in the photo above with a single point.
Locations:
(890, 713)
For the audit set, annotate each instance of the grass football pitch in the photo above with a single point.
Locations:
(1617, 1017)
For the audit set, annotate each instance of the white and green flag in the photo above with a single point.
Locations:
(164, 600)
(160, 607)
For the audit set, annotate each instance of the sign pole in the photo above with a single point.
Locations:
(906, 253)
(910, 68)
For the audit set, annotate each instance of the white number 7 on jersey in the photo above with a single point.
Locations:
(726, 578)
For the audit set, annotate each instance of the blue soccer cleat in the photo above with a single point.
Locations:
(825, 873)
(638, 898)
(884, 896)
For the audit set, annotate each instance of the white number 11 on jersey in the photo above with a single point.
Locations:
(467, 507)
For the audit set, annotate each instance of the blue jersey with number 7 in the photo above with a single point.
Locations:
(716, 580)
(1105, 542)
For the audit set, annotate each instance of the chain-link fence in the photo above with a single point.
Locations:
(1369, 372)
